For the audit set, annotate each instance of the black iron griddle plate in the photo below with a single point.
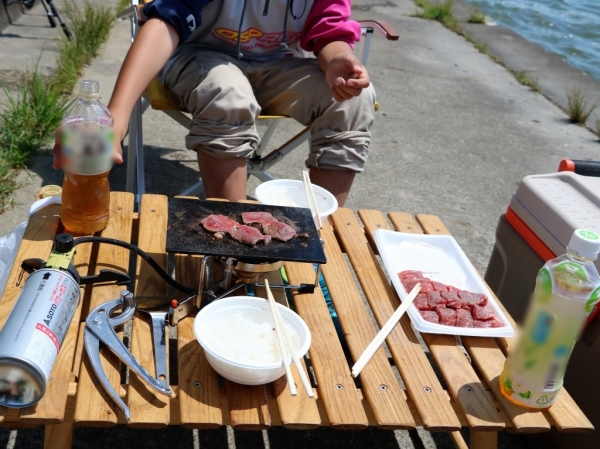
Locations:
(186, 235)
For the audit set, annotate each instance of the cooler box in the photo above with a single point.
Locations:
(536, 227)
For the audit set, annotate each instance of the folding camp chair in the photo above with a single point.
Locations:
(157, 97)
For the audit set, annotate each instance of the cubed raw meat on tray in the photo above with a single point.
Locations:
(420, 302)
(409, 284)
(408, 274)
(470, 298)
(487, 324)
(426, 286)
(452, 300)
(464, 318)
(434, 299)
(439, 287)
(430, 315)
(482, 313)
(447, 316)
(452, 288)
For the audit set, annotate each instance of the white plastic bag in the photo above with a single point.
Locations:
(9, 244)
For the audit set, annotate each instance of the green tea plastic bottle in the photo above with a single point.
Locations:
(87, 139)
(567, 290)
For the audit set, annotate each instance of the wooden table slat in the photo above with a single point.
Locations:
(93, 405)
(379, 383)
(462, 381)
(248, 406)
(489, 358)
(420, 380)
(335, 383)
(199, 398)
(37, 242)
(51, 408)
(567, 416)
(300, 411)
(149, 409)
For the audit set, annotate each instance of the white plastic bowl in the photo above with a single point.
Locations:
(256, 309)
(290, 192)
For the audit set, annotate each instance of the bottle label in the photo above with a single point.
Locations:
(87, 149)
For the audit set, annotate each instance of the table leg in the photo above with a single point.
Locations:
(458, 440)
(58, 436)
(483, 440)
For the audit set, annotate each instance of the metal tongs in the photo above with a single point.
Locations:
(100, 327)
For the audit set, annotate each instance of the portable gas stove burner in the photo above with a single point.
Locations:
(231, 274)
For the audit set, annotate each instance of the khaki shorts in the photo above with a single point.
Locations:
(225, 95)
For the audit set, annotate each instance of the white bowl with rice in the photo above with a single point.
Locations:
(239, 340)
(291, 193)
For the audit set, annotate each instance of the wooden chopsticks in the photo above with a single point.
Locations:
(285, 341)
(384, 332)
(310, 196)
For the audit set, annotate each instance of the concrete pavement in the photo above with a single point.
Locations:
(454, 136)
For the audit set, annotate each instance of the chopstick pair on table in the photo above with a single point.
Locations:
(384, 332)
(285, 341)
(310, 197)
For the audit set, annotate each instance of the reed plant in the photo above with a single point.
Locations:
(35, 110)
(440, 12)
(476, 17)
(579, 107)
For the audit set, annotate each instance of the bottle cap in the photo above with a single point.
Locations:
(585, 243)
(51, 190)
(89, 90)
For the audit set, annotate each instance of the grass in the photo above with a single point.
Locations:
(476, 17)
(579, 108)
(91, 25)
(439, 12)
(36, 110)
(598, 126)
(523, 78)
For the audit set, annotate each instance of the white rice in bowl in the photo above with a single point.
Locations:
(245, 340)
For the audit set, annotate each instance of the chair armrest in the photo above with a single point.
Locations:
(134, 12)
(384, 28)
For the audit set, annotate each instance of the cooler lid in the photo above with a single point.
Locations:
(554, 205)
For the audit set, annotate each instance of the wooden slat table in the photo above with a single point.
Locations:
(388, 398)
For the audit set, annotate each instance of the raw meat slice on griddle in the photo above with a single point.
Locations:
(447, 316)
(218, 223)
(430, 315)
(464, 318)
(248, 235)
(270, 225)
(241, 233)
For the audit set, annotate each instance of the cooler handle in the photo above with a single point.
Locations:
(584, 168)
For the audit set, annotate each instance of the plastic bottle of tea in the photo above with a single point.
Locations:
(87, 141)
(567, 290)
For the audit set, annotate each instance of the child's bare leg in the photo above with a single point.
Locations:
(223, 178)
(338, 182)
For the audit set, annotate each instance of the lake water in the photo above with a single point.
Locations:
(568, 28)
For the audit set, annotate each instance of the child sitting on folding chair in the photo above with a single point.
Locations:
(225, 61)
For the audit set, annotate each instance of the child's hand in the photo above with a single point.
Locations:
(57, 150)
(346, 76)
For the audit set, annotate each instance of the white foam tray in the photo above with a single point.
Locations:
(441, 259)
